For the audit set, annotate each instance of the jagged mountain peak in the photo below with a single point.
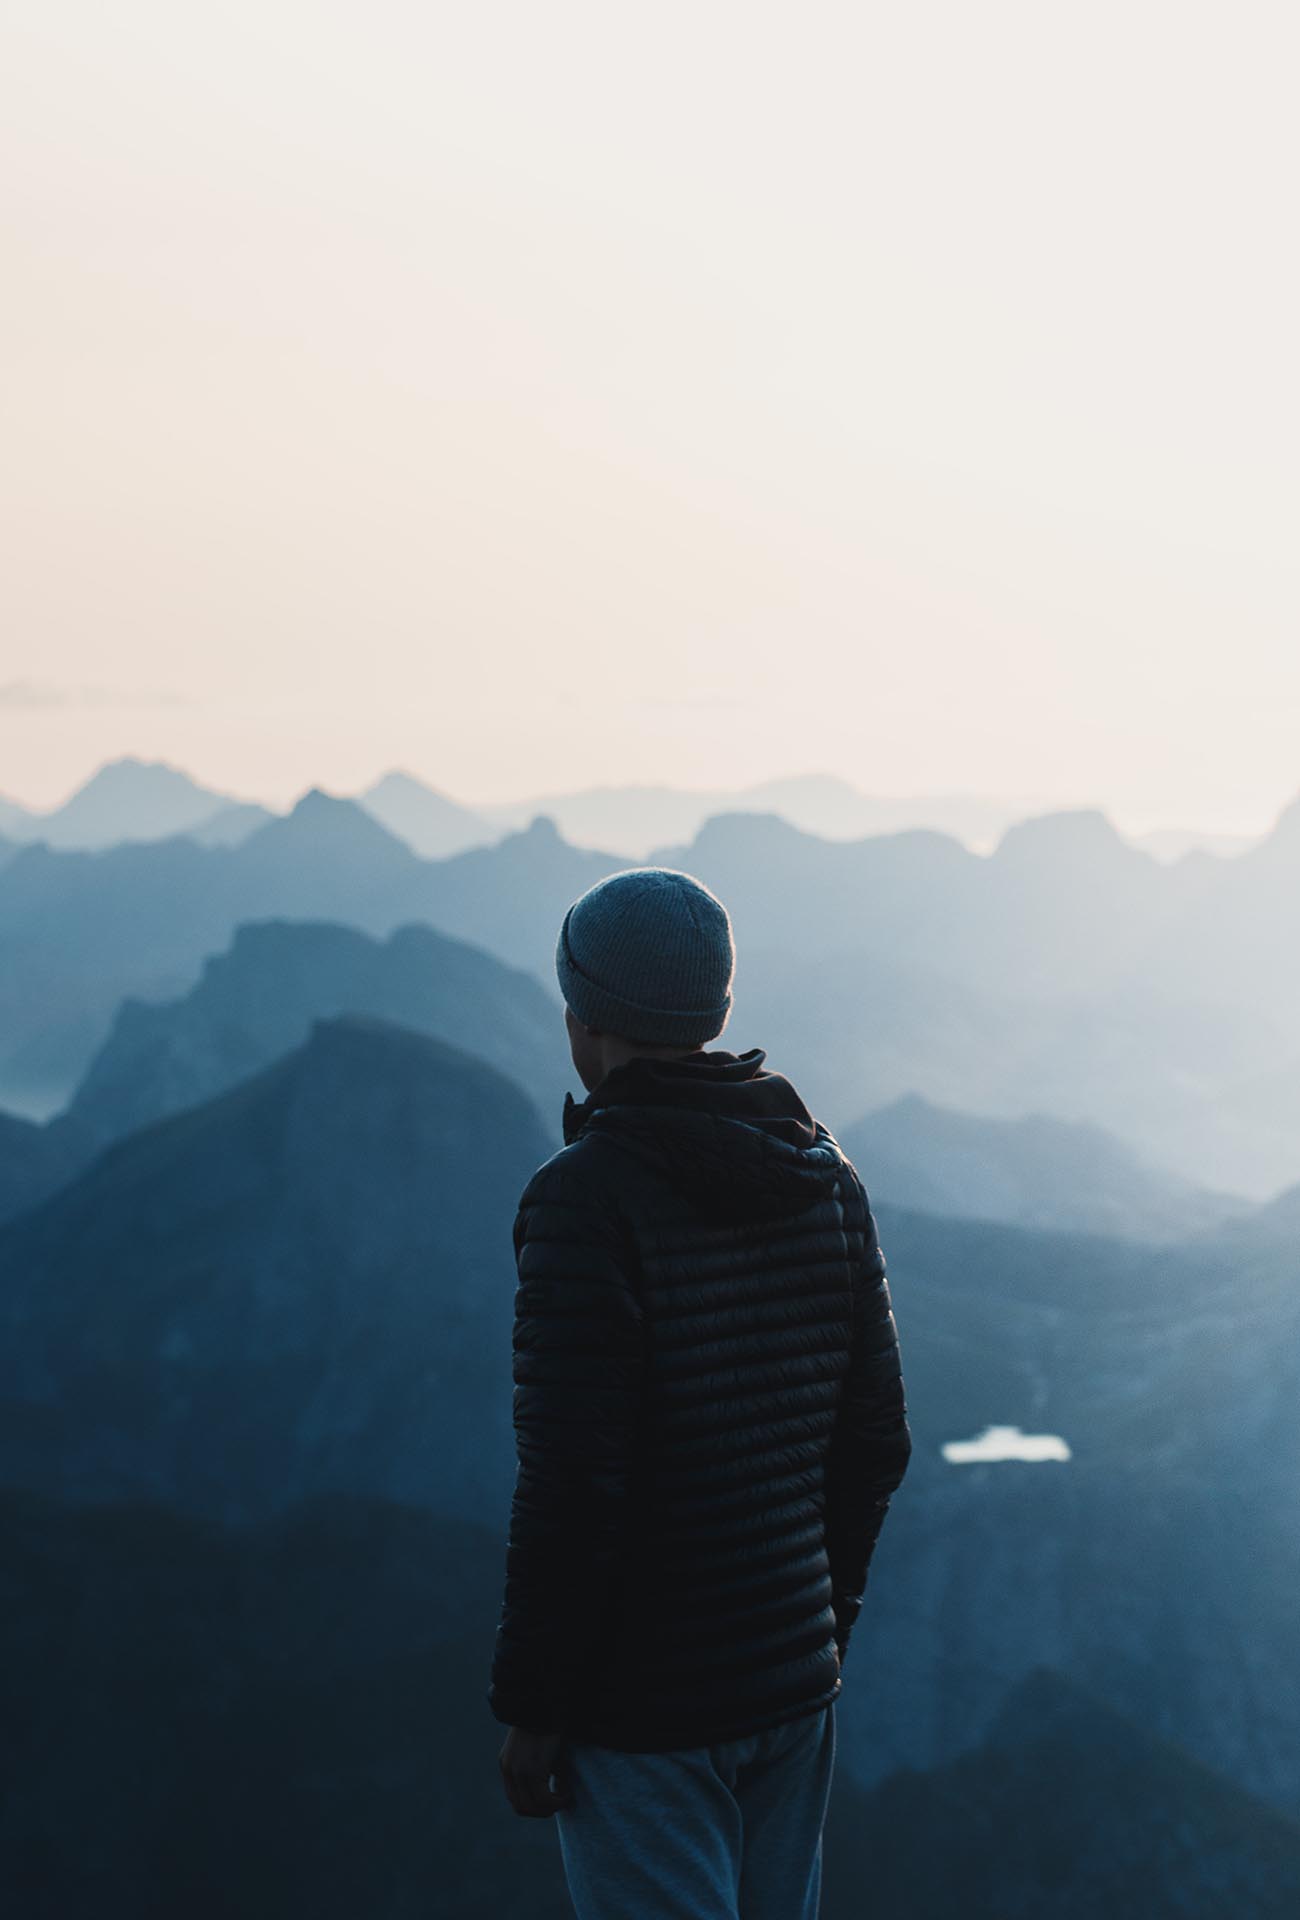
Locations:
(543, 830)
(131, 771)
(256, 1001)
(329, 820)
(128, 799)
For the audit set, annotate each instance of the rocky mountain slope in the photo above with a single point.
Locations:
(305, 1284)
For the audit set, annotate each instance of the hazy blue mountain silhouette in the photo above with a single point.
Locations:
(325, 841)
(78, 932)
(431, 823)
(512, 897)
(1061, 905)
(127, 799)
(862, 1028)
(1043, 936)
(305, 1284)
(858, 1028)
(1238, 936)
(82, 932)
(135, 799)
(290, 1717)
(1035, 1171)
(259, 999)
(1016, 976)
(634, 819)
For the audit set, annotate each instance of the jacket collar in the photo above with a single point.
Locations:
(733, 1086)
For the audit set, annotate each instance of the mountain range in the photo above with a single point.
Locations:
(131, 799)
(634, 820)
(1035, 1171)
(1065, 973)
(81, 932)
(259, 999)
(261, 996)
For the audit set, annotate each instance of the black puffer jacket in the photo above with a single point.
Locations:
(709, 1412)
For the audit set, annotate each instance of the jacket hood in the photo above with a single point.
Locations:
(735, 1136)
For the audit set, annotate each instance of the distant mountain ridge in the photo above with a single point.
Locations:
(128, 800)
(132, 799)
(138, 800)
(80, 932)
(634, 819)
(1065, 972)
(1035, 1171)
(431, 823)
(258, 1000)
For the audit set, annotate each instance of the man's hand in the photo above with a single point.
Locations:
(528, 1761)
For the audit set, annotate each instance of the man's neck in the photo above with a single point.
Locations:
(614, 1052)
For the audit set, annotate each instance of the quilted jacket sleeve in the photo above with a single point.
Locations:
(871, 1442)
(577, 1366)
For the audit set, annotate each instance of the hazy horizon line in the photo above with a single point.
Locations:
(1041, 803)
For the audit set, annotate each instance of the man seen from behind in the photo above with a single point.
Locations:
(710, 1421)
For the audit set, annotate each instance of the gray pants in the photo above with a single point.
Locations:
(727, 1832)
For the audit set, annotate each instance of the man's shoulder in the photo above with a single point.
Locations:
(576, 1175)
(568, 1201)
(852, 1187)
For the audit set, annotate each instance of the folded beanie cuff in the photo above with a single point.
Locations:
(596, 1006)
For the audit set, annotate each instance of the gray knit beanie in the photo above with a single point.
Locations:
(648, 954)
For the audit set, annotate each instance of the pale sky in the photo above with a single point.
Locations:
(542, 395)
